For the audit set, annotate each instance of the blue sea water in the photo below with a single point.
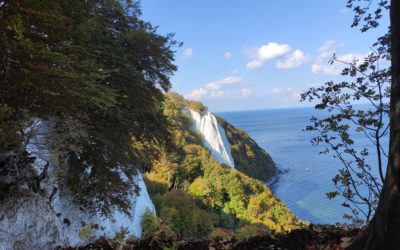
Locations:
(309, 174)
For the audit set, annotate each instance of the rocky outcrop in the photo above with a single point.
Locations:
(213, 136)
(48, 217)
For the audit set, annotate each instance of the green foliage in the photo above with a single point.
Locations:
(121, 234)
(196, 106)
(180, 212)
(149, 222)
(98, 71)
(169, 248)
(10, 138)
(252, 230)
(366, 15)
(249, 158)
(201, 187)
(221, 234)
(360, 180)
(85, 232)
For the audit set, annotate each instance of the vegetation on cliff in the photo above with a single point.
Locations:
(196, 196)
(248, 156)
(98, 72)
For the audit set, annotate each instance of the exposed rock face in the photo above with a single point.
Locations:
(49, 218)
(213, 136)
(29, 223)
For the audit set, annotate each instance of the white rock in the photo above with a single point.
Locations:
(32, 222)
(213, 136)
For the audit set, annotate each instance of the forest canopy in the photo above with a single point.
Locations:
(98, 72)
(196, 196)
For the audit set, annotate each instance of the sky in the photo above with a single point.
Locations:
(257, 54)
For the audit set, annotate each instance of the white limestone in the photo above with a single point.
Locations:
(34, 222)
(213, 136)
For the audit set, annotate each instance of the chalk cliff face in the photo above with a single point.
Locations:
(44, 221)
(213, 136)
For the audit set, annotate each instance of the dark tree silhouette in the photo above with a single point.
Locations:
(384, 230)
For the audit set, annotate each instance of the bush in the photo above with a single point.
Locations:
(196, 106)
(149, 222)
(222, 234)
(181, 213)
(252, 230)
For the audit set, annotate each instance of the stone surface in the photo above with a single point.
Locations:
(213, 136)
(40, 220)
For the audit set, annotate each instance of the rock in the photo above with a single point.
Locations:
(43, 220)
(213, 136)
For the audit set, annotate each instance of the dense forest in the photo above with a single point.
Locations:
(198, 196)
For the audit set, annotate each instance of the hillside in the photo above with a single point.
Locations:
(249, 158)
(91, 146)
(197, 196)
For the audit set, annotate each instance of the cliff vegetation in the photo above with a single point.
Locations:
(196, 196)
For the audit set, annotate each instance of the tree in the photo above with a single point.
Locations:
(383, 231)
(98, 72)
(359, 181)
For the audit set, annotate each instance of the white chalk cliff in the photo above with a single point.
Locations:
(35, 222)
(213, 136)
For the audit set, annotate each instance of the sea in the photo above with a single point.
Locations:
(306, 175)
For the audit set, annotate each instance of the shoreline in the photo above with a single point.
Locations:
(275, 179)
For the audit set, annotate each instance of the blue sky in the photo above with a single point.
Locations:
(257, 54)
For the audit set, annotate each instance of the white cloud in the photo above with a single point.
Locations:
(277, 90)
(226, 82)
(323, 67)
(188, 53)
(217, 94)
(292, 60)
(337, 67)
(245, 92)
(255, 64)
(224, 88)
(272, 51)
(287, 58)
(329, 47)
(285, 94)
(296, 95)
(227, 55)
(196, 94)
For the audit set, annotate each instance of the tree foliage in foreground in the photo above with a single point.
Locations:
(97, 72)
(360, 180)
(383, 231)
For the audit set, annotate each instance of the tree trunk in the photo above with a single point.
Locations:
(384, 229)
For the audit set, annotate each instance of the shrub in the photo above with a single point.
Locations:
(149, 222)
(196, 106)
(252, 230)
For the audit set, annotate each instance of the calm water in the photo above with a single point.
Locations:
(309, 175)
